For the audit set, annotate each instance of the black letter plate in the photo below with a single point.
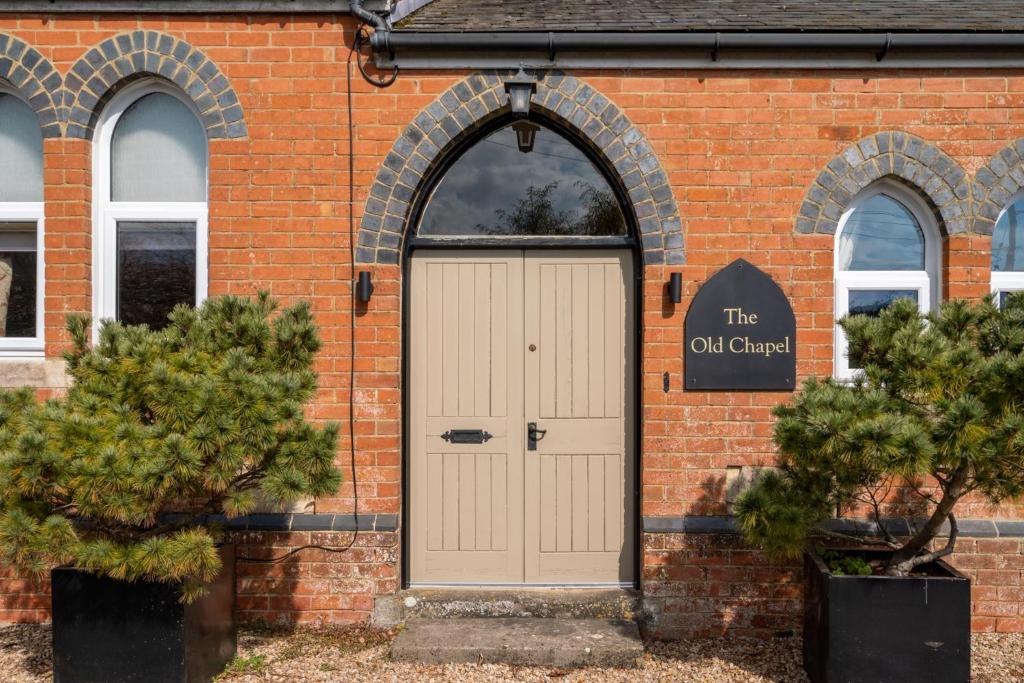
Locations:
(466, 436)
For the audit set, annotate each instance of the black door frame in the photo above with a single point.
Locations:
(631, 241)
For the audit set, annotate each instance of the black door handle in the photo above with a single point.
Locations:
(533, 435)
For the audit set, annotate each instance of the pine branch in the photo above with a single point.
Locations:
(954, 530)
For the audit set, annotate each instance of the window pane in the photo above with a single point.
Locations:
(21, 152)
(156, 270)
(1003, 295)
(881, 234)
(158, 153)
(494, 189)
(1008, 239)
(18, 280)
(872, 301)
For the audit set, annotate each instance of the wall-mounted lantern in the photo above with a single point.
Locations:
(520, 89)
(526, 133)
(364, 286)
(675, 288)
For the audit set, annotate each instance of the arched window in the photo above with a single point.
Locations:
(151, 206)
(886, 249)
(21, 228)
(523, 180)
(1008, 250)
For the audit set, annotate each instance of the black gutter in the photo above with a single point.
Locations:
(554, 42)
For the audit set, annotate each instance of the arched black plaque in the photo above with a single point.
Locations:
(740, 333)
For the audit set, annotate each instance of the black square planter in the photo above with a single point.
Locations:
(870, 629)
(106, 631)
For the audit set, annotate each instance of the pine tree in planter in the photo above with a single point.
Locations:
(202, 417)
(936, 412)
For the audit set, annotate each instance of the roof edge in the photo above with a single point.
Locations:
(186, 6)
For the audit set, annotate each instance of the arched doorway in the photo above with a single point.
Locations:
(522, 351)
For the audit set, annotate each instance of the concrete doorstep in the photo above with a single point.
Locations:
(520, 641)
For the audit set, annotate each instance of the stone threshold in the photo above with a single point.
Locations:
(898, 526)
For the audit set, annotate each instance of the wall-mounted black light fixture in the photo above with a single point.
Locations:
(526, 133)
(675, 288)
(364, 286)
(520, 89)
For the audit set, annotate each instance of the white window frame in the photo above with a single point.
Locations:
(927, 283)
(28, 212)
(107, 213)
(1003, 281)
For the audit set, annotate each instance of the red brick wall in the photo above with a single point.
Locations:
(699, 585)
(740, 148)
(314, 586)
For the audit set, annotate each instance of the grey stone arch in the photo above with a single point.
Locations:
(997, 182)
(936, 177)
(32, 75)
(481, 97)
(118, 61)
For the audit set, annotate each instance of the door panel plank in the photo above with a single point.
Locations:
(547, 350)
(595, 340)
(450, 339)
(613, 497)
(499, 340)
(467, 501)
(563, 340)
(580, 493)
(482, 308)
(563, 503)
(579, 329)
(434, 339)
(548, 496)
(614, 338)
(435, 513)
(482, 491)
(499, 503)
(450, 501)
(596, 507)
(467, 336)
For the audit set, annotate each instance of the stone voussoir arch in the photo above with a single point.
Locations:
(997, 182)
(481, 97)
(106, 68)
(943, 184)
(35, 78)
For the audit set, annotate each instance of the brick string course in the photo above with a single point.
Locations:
(742, 152)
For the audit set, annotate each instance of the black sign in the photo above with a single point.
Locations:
(740, 333)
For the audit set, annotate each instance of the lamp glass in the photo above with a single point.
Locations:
(519, 95)
(526, 134)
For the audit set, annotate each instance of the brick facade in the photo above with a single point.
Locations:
(719, 164)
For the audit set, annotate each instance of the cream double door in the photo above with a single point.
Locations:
(502, 340)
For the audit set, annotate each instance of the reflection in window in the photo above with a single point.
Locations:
(881, 234)
(1008, 240)
(494, 189)
(18, 274)
(872, 301)
(881, 255)
(156, 270)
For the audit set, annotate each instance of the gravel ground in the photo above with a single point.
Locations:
(356, 654)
